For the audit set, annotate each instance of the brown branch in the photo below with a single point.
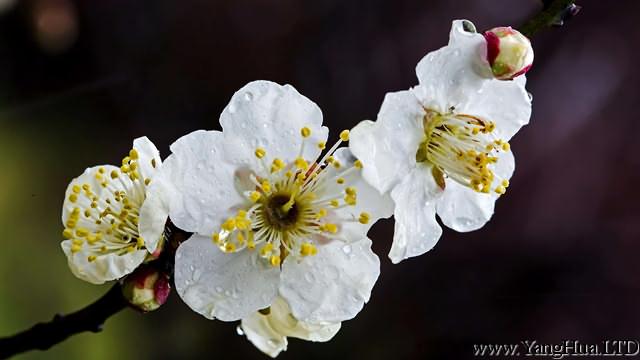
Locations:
(43, 336)
(554, 13)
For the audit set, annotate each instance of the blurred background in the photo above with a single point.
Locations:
(80, 79)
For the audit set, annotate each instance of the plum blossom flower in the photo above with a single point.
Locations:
(114, 217)
(270, 217)
(442, 146)
(269, 330)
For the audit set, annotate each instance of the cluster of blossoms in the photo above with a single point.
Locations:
(279, 220)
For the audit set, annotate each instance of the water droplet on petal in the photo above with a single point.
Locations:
(309, 277)
(239, 330)
(346, 249)
(219, 290)
(272, 343)
(248, 96)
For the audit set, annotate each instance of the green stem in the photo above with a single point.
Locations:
(554, 14)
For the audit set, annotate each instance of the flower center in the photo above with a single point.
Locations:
(464, 148)
(105, 221)
(291, 205)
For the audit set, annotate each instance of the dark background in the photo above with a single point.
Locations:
(80, 79)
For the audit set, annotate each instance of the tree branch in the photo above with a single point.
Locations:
(554, 13)
(43, 336)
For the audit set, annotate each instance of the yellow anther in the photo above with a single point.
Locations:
(288, 174)
(357, 164)
(277, 165)
(251, 245)
(133, 154)
(334, 203)
(266, 249)
(301, 163)
(229, 225)
(344, 135)
(87, 213)
(330, 159)
(506, 146)
(340, 180)
(475, 131)
(77, 241)
(153, 163)
(351, 191)
(82, 232)
(114, 174)
(364, 218)
(500, 190)
(350, 200)
(240, 238)
(131, 249)
(274, 260)
(133, 166)
(101, 170)
(330, 228)
(124, 168)
(305, 132)
(76, 189)
(91, 258)
(229, 247)
(336, 164)
(103, 248)
(321, 213)
(147, 181)
(255, 196)
(242, 223)
(140, 242)
(73, 198)
(215, 238)
(505, 183)
(126, 160)
(265, 185)
(307, 249)
(260, 153)
(75, 248)
(67, 233)
(322, 145)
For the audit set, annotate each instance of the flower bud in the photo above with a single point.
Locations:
(146, 289)
(509, 53)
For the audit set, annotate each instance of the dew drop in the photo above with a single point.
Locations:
(272, 343)
(346, 249)
(219, 290)
(309, 277)
(239, 330)
(248, 96)
(530, 95)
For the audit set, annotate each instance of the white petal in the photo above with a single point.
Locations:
(331, 286)
(463, 209)
(148, 156)
(223, 286)
(204, 181)
(89, 176)
(259, 331)
(452, 75)
(505, 102)
(154, 213)
(369, 200)
(387, 148)
(269, 332)
(104, 268)
(268, 115)
(416, 228)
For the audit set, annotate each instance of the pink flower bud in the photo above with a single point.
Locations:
(146, 289)
(509, 53)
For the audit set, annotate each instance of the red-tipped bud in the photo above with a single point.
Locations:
(146, 289)
(509, 53)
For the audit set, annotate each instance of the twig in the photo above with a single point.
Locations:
(554, 13)
(43, 336)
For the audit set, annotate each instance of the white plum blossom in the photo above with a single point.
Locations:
(269, 330)
(270, 217)
(114, 217)
(442, 146)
